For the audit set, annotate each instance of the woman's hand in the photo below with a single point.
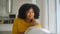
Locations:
(34, 22)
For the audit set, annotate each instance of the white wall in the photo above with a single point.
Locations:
(45, 14)
(39, 3)
(3, 11)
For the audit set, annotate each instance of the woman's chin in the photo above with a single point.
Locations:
(30, 18)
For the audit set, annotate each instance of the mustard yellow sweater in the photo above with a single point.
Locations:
(20, 25)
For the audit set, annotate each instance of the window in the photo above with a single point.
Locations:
(58, 16)
(49, 15)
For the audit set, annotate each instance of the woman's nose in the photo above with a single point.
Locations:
(30, 13)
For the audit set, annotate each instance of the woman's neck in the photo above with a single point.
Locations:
(28, 20)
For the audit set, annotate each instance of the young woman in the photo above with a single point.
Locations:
(26, 18)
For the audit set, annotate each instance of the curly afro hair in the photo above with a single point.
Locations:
(25, 7)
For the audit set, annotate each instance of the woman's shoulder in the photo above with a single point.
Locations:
(17, 19)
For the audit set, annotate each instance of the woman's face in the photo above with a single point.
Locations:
(30, 14)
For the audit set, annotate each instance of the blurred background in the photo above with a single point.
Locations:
(49, 14)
